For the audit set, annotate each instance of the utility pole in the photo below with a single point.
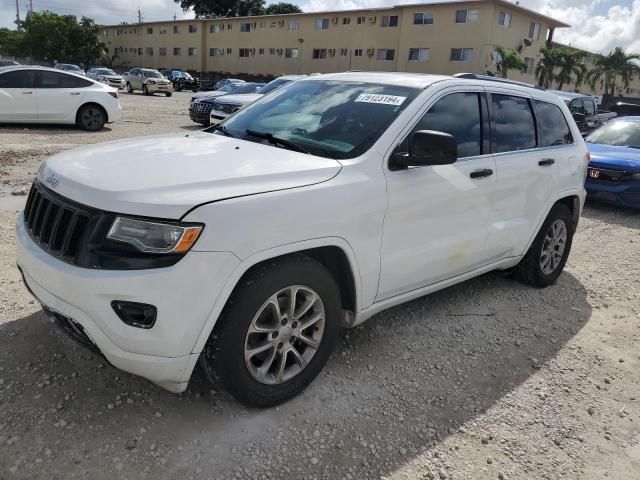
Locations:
(30, 6)
(139, 16)
(18, 14)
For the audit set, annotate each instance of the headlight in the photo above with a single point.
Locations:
(151, 82)
(152, 237)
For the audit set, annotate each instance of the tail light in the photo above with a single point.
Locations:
(114, 94)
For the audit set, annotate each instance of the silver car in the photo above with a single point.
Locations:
(149, 81)
(106, 76)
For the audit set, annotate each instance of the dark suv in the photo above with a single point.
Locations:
(181, 80)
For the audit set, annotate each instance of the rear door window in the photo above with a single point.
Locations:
(514, 127)
(61, 80)
(17, 79)
(552, 125)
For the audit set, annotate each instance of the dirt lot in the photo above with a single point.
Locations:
(486, 380)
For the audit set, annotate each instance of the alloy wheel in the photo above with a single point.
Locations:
(553, 247)
(91, 118)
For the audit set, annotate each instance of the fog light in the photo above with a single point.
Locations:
(134, 314)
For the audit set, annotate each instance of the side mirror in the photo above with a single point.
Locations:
(427, 147)
(579, 117)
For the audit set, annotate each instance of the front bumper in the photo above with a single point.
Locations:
(625, 194)
(184, 295)
(159, 88)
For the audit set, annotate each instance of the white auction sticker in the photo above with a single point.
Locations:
(383, 99)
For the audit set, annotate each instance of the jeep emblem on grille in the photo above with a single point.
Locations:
(52, 180)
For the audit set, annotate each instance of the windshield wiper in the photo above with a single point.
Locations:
(277, 140)
(221, 128)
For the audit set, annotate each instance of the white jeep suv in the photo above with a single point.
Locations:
(315, 207)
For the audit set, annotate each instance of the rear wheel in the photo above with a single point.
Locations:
(276, 332)
(178, 87)
(548, 254)
(91, 118)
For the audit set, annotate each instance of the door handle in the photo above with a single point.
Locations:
(485, 172)
(545, 162)
(74, 93)
(26, 93)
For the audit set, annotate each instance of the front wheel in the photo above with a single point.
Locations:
(129, 88)
(548, 254)
(168, 94)
(276, 332)
(145, 91)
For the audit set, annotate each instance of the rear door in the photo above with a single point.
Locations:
(59, 95)
(18, 96)
(527, 176)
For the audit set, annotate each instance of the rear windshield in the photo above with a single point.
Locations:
(328, 118)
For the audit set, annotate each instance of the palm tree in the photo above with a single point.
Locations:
(571, 64)
(549, 61)
(618, 65)
(509, 61)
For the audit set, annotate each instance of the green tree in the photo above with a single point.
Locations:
(282, 7)
(223, 8)
(547, 64)
(572, 68)
(617, 66)
(509, 61)
(11, 42)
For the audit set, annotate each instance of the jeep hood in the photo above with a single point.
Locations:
(166, 176)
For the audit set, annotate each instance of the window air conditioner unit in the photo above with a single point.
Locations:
(334, 19)
(372, 19)
(370, 52)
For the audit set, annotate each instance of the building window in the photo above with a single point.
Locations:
(216, 27)
(272, 51)
(322, 24)
(389, 21)
(418, 54)
(193, 28)
(261, 51)
(176, 51)
(530, 62)
(229, 26)
(361, 20)
(423, 18)
(290, 53)
(466, 16)
(344, 52)
(216, 52)
(357, 52)
(346, 20)
(149, 30)
(149, 51)
(534, 31)
(193, 51)
(245, 27)
(263, 24)
(504, 19)
(291, 25)
(319, 53)
(176, 29)
(163, 52)
(139, 51)
(243, 52)
(229, 50)
(385, 54)
(273, 24)
(461, 54)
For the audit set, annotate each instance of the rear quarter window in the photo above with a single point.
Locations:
(553, 128)
(62, 80)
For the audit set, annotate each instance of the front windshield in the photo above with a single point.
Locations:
(273, 85)
(70, 67)
(617, 132)
(245, 88)
(151, 74)
(328, 118)
(105, 71)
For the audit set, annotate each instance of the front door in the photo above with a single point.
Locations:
(18, 97)
(436, 222)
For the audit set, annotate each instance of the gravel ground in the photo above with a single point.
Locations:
(489, 379)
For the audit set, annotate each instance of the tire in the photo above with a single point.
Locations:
(168, 94)
(178, 87)
(129, 88)
(91, 118)
(145, 91)
(532, 269)
(227, 357)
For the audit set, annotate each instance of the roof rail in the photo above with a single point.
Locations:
(473, 76)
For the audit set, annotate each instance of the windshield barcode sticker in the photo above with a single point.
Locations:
(383, 99)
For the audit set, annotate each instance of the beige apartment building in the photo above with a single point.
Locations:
(437, 37)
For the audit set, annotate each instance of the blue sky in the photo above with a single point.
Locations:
(597, 25)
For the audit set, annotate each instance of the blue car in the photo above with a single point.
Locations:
(614, 170)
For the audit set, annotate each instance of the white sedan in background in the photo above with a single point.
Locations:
(106, 76)
(45, 95)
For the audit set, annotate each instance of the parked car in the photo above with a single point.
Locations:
(623, 109)
(69, 67)
(148, 80)
(4, 62)
(45, 95)
(585, 111)
(614, 169)
(106, 76)
(182, 80)
(228, 88)
(200, 107)
(247, 247)
(229, 104)
(225, 81)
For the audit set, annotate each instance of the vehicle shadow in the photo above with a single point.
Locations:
(403, 381)
(46, 128)
(612, 214)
